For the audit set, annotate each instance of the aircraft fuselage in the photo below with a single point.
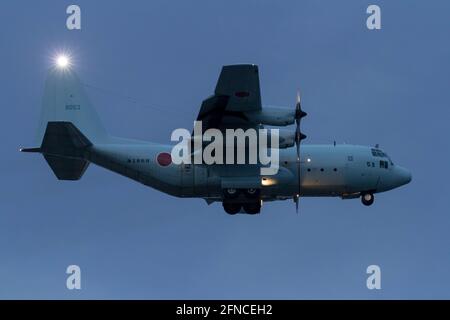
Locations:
(326, 170)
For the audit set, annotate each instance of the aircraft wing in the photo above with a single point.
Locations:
(237, 92)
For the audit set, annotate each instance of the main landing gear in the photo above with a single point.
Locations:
(235, 207)
(367, 198)
(235, 200)
(231, 208)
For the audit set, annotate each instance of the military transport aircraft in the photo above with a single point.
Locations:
(71, 137)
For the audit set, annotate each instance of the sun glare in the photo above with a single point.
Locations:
(62, 61)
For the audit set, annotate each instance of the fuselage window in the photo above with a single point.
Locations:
(384, 164)
(350, 158)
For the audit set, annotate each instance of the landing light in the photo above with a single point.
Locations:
(268, 181)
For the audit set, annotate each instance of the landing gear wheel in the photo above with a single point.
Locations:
(367, 199)
(252, 208)
(231, 208)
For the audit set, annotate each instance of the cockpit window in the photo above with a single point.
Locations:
(384, 164)
(378, 153)
(381, 154)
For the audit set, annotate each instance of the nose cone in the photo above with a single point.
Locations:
(403, 176)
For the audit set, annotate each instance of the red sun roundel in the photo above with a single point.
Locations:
(164, 159)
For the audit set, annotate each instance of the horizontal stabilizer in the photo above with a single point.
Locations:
(38, 150)
(66, 168)
(64, 148)
(64, 139)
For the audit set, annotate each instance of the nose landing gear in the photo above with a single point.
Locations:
(367, 198)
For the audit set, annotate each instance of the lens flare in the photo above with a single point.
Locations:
(62, 61)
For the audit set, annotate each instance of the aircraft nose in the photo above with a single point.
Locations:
(403, 175)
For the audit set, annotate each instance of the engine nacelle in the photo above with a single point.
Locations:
(286, 139)
(273, 116)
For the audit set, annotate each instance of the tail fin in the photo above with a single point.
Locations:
(65, 100)
(69, 125)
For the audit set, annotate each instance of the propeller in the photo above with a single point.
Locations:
(299, 136)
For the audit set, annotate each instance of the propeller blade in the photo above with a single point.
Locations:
(297, 145)
(298, 169)
(299, 136)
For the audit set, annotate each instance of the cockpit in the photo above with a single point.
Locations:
(380, 154)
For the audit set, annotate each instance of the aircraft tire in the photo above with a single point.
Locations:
(252, 208)
(367, 199)
(231, 208)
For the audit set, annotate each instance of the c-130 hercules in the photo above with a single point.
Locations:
(72, 137)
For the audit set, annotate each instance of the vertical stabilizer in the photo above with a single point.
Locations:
(65, 99)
